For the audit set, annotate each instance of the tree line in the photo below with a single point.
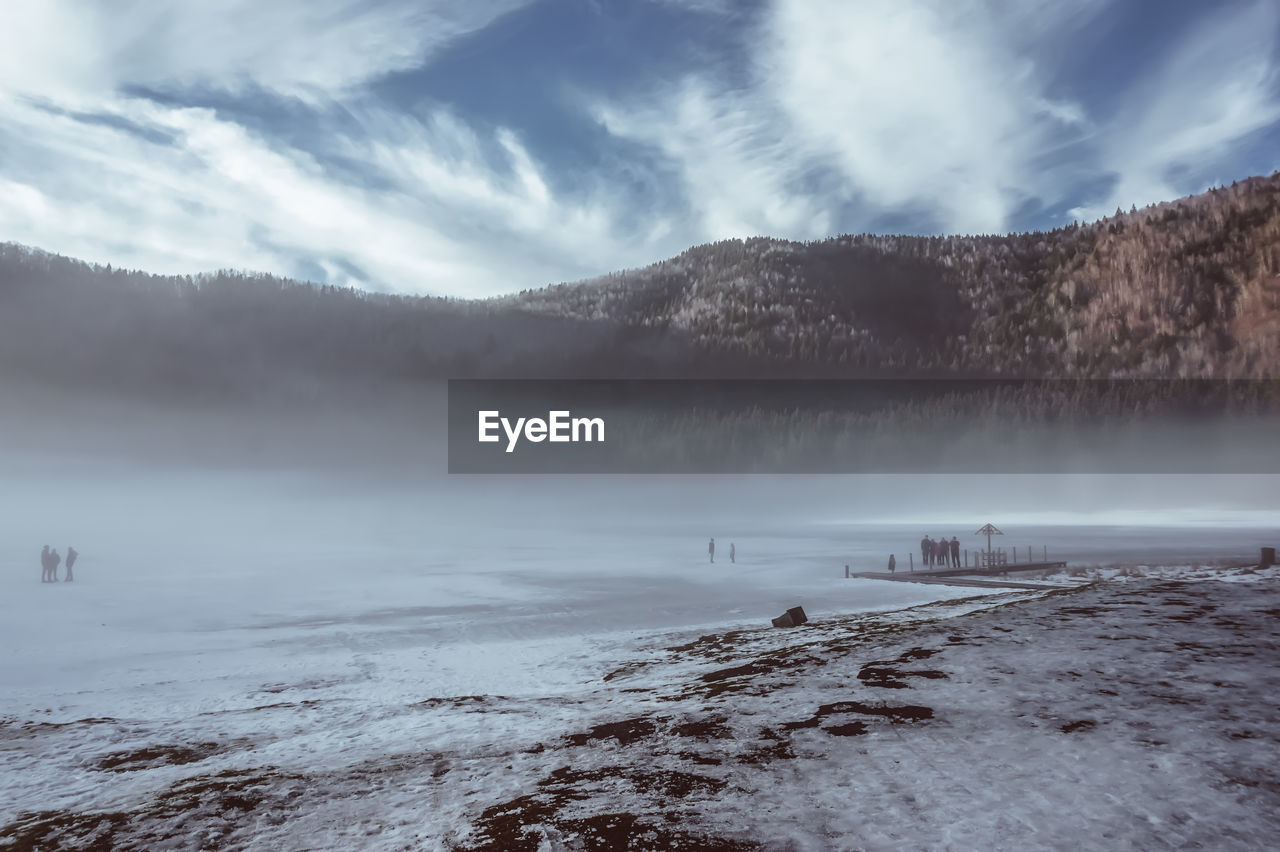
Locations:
(1188, 288)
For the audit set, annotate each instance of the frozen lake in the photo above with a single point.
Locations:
(304, 623)
(209, 587)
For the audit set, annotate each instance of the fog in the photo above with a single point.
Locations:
(339, 510)
(294, 578)
(176, 547)
(148, 521)
(225, 487)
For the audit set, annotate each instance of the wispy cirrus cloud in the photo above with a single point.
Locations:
(919, 104)
(296, 47)
(427, 204)
(738, 175)
(950, 114)
(431, 212)
(1177, 127)
(853, 111)
(377, 143)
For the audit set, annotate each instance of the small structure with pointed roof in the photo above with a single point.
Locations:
(989, 530)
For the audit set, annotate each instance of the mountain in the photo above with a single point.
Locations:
(1186, 288)
(1189, 288)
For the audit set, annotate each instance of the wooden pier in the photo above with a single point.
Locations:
(994, 570)
(968, 582)
(991, 562)
(963, 576)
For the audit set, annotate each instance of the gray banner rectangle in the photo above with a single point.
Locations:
(863, 426)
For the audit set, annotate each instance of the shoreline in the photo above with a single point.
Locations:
(963, 721)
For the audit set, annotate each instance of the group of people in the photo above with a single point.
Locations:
(711, 551)
(49, 562)
(940, 553)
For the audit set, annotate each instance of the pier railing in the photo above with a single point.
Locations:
(994, 558)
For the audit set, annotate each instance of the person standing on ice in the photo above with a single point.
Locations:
(940, 552)
(711, 550)
(955, 552)
(893, 563)
(54, 561)
(733, 553)
(926, 547)
(71, 560)
(44, 564)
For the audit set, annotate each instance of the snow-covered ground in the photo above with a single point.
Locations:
(274, 666)
(1236, 570)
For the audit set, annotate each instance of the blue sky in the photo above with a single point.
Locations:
(476, 148)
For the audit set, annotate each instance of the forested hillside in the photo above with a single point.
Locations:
(1187, 288)
(65, 322)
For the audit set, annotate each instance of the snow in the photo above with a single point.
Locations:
(395, 672)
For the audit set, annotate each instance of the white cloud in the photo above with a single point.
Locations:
(946, 108)
(739, 175)
(886, 107)
(1219, 85)
(441, 219)
(895, 105)
(909, 112)
(65, 48)
(452, 209)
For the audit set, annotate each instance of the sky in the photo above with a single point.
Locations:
(480, 147)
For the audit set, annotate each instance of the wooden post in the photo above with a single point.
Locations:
(911, 557)
(966, 557)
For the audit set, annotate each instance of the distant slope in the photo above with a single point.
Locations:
(64, 322)
(1186, 288)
